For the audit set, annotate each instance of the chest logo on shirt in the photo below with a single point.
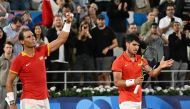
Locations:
(27, 64)
(41, 58)
(126, 65)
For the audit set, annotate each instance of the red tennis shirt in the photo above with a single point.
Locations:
(32, 73)
(129, 70)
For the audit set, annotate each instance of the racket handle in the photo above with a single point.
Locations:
(136, 89)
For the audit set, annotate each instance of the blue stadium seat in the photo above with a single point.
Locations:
(139, 18)
(36, 16)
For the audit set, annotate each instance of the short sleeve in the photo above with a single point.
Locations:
(45, 49)
(117, 65)
(15, 66)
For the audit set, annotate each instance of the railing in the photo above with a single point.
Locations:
(66, 82)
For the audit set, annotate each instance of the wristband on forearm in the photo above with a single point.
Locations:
(66, 27)
(129, 82)
(10, 98)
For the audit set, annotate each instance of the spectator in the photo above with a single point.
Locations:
(66, 8)
(178, 43)
(106, 41)
(80, 12)
(92, 12)
(60, 4)
(71, 4)
(12, 31)
(155, 50)
(4, 10)
(163, 6)
(84, 54)
(27, 19)
(157, 15)
(166, 23)
(186, 30)
(5, 62)
(132, 29)
(60, 58)
(145, 28)
(38, 33)
(3, 37)
(117, 13)
(89, 20)
(155, 43)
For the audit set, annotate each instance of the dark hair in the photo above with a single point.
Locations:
(132, 37)
(83, 23)
(2, 41)
(17, 19)
(21, 34)
(170, 5)
(9, 43)
(4, 34)
(68, 6)
(41, 35)
(132, 24)
(154, 24)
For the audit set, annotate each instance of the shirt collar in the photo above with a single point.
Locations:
(128, 59)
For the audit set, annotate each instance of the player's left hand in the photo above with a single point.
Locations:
(167, 63)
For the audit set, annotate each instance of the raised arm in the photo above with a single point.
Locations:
(61, 39)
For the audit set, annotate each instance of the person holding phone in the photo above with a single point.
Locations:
(84, 54)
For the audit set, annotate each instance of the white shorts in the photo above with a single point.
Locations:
(34, 104)
(130, 105)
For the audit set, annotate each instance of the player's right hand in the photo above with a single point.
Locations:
(69, 17)
(139, 80)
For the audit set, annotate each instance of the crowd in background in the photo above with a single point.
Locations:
(93, 44)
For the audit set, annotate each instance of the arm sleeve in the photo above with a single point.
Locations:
(44, 49)
(15, 66)
(117, 66)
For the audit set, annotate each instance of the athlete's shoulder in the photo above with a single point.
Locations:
(18, 57)
(119, 58)
(41, 47)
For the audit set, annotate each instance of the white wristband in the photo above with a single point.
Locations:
(10, 96)
(129, 82)
(66, 27)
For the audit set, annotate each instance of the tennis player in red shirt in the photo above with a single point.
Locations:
(30, 67)
(127, 72)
